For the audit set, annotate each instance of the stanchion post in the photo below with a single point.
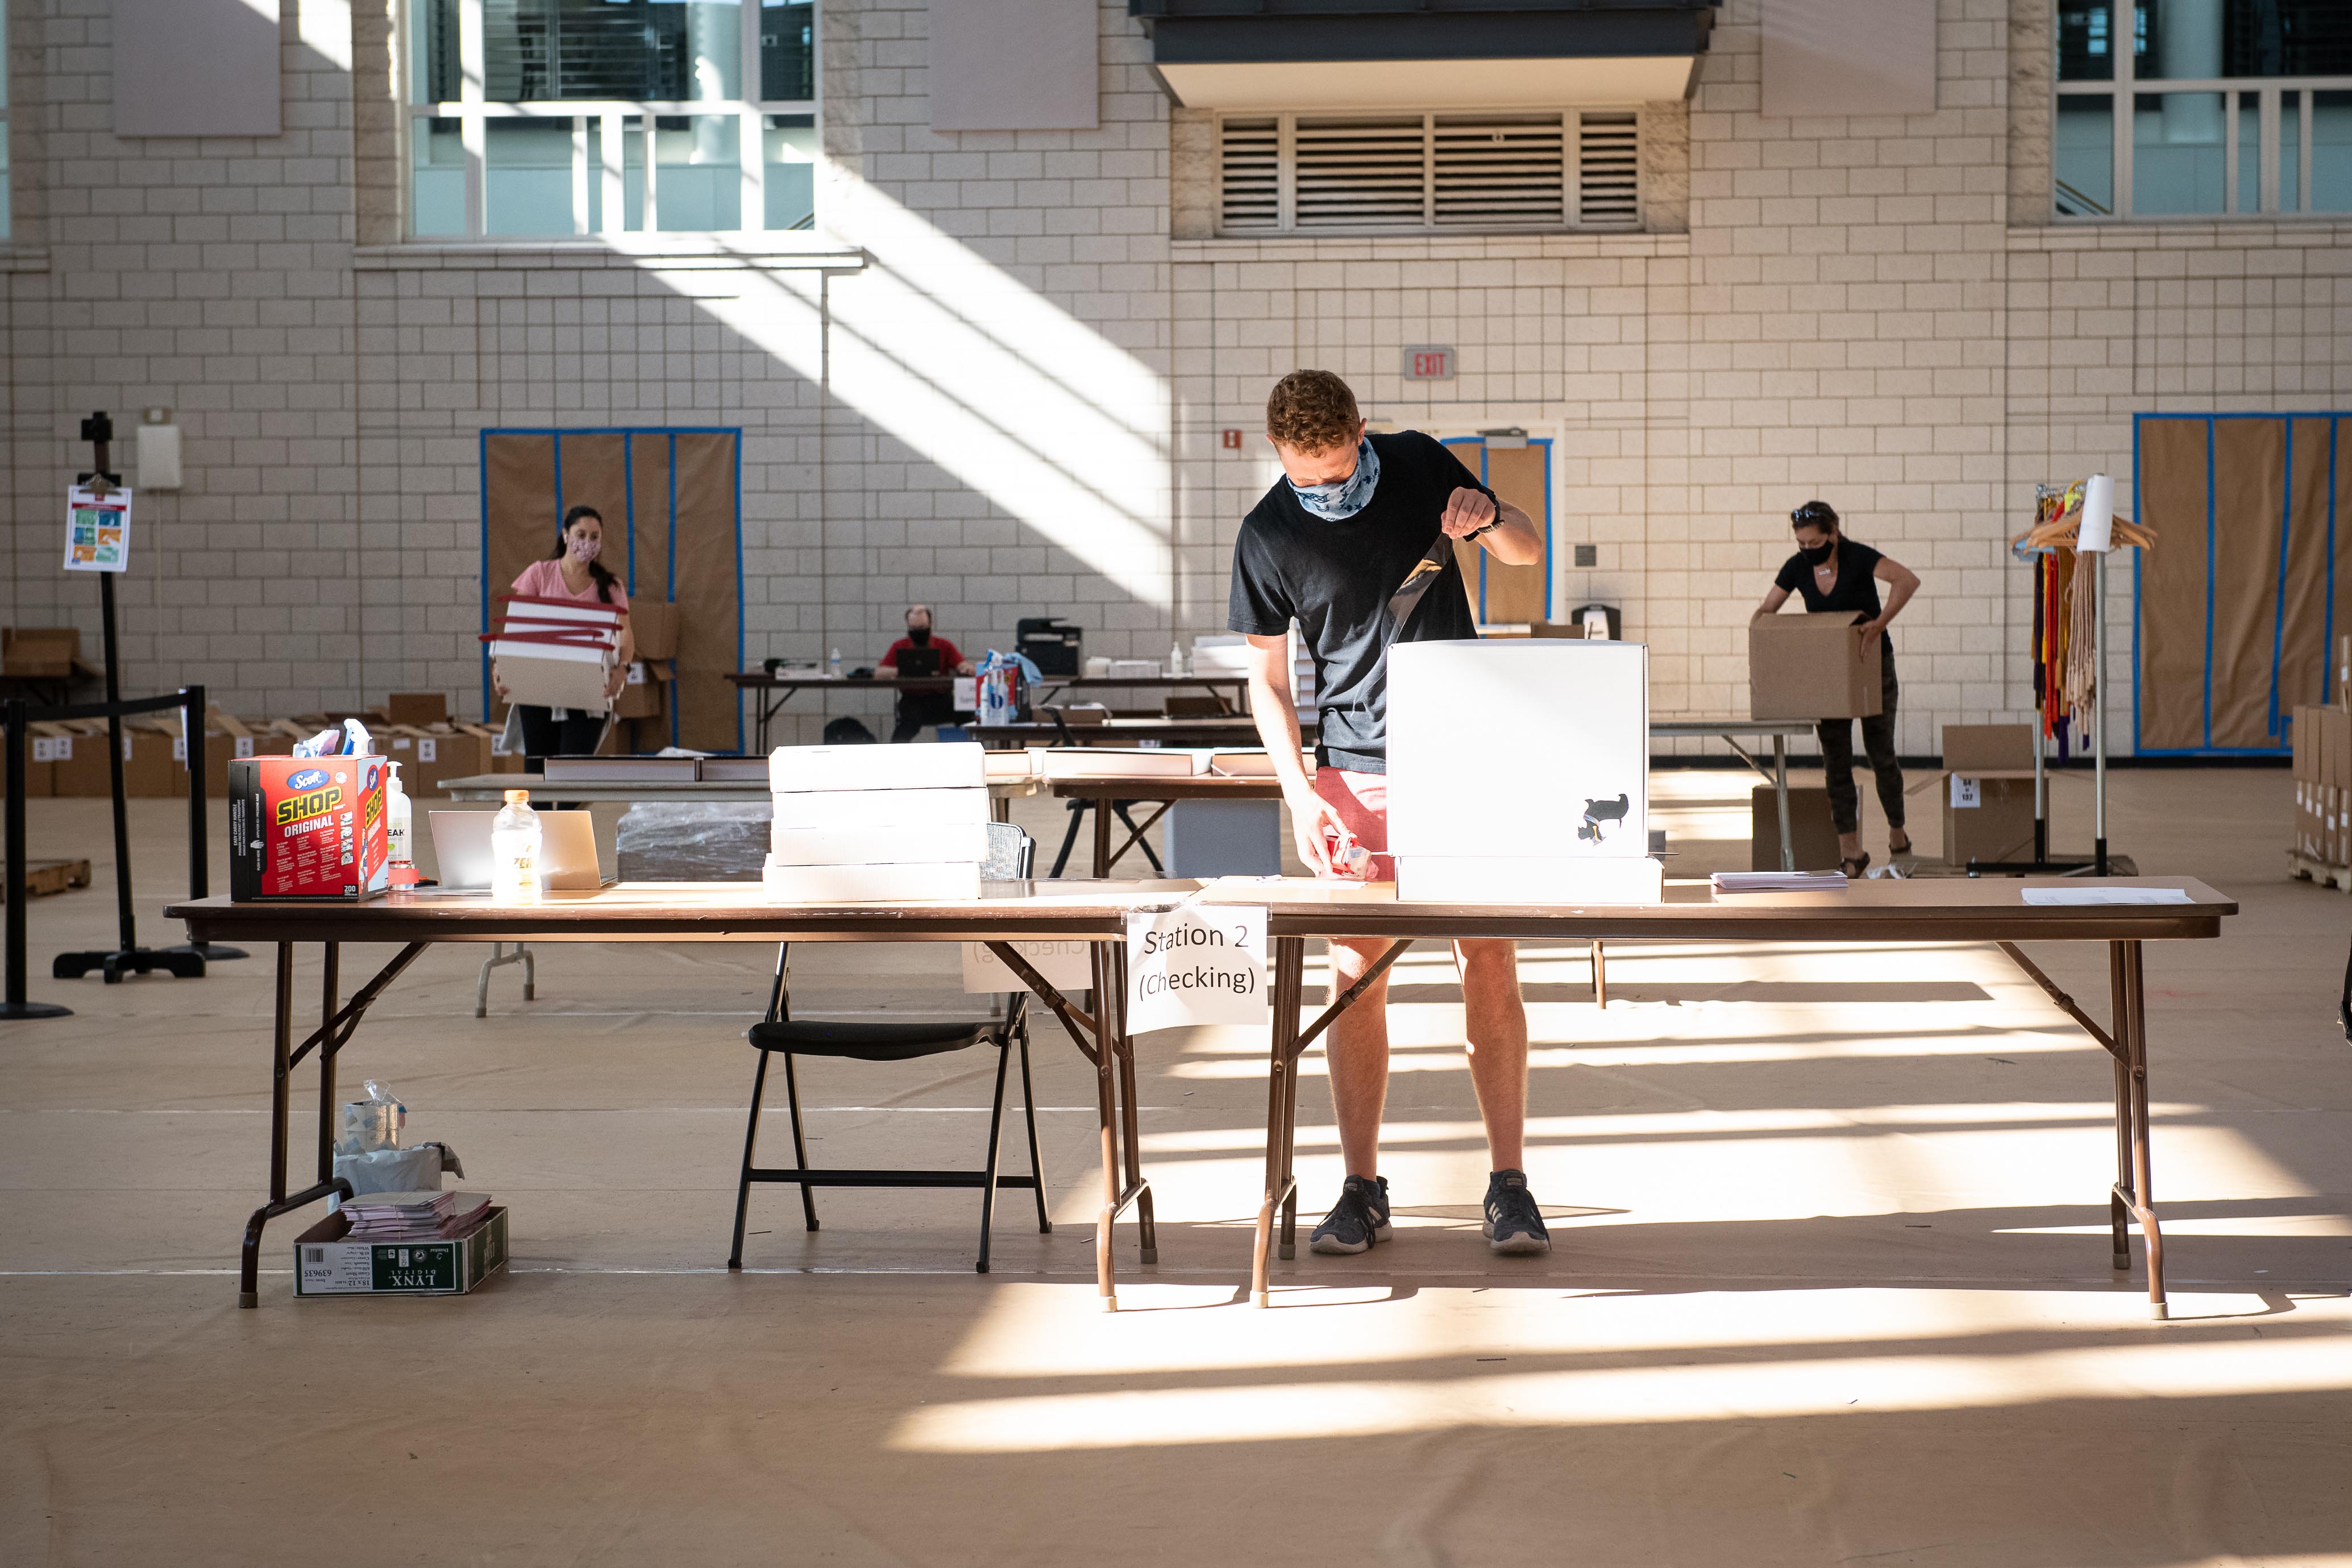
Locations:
(193, 708)
(14, 1005)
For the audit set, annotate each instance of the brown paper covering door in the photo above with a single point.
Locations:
(2249, 510)
(710, 607)
(1519, 474)
(2171, 498)
(2304, 660)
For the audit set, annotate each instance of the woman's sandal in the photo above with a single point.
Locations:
(1894, 849)
(1854, 865)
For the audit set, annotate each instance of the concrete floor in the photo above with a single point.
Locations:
(1830, 1281)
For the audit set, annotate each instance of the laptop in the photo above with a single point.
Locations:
(916, 663)
(567, 844)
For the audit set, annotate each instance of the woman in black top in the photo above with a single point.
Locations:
(1833, 572)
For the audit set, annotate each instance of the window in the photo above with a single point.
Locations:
(2202, 108)
(1403, 174)
(556, 117)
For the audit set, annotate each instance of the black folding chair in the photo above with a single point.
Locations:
(1011, 852)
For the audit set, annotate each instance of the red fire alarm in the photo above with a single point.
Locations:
(1230, 440)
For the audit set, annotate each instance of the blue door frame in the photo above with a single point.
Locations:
(2281, 704)
(1545, 443)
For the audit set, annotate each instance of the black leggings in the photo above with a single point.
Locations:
(544, 734)
(1878, 744)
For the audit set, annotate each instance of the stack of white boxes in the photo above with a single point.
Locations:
(1519, 772)
(876, 824)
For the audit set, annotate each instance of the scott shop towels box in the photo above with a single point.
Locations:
(306, 827)
(1519, 772)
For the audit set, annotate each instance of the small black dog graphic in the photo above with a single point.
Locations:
(1598, 815)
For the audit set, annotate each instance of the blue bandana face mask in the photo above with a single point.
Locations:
(1343, 498)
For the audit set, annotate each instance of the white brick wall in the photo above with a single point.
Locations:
(1011, 406)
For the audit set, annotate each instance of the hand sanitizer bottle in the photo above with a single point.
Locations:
(1175, 658)
(397, 819)
(514, 851)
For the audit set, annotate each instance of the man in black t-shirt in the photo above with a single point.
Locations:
(1830, 572)
(1355, 519)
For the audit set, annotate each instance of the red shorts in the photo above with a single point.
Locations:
(1362, 800)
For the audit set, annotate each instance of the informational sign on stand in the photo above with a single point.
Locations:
(98, 530)
(1194, 964)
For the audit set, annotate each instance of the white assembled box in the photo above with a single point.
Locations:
(1513, 761)
(879, 808)
(894, 843)
(956, 765)
(871, 883)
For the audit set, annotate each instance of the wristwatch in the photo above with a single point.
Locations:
(1491, 524)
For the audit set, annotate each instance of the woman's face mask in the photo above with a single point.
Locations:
(586, 545)
(1817, 555)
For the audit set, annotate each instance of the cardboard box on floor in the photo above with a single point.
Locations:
(430, 756)
(226, 737)
(1813, 666)
(2304, 735)
(646, 694)
(149, 769)
(44, 744)
(40, 650)
(425, 708)
(1987, 789)
(2336, 785)
(1810, 828)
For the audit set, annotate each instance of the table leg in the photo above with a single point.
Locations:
(248, 1277)
(2119, 1212)
(1102, 838)
(1599, 976)
(330, 999)
(1781, 799)
(1106, 1114)
(2143, 1193)
(1289, 976)
(1114, 1012)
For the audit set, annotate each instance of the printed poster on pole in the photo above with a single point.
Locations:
(98, 530)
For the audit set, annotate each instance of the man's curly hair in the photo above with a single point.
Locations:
(1312, 411)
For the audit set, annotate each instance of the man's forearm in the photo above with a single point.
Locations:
(1277, 730)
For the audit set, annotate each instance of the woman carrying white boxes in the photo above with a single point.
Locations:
(859, 824)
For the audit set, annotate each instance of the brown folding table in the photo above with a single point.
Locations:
(1880, 911)
(695, 912)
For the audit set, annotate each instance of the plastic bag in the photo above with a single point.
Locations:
(351, 740)
(372, 1123)
(415, 1169)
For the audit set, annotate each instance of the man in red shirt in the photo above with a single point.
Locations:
(917, 709)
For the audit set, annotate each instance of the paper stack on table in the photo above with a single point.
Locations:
(858, 824)
(1519, 772)
(1778, 881)
(414, 1216)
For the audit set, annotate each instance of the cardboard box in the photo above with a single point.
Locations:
(327, 1263)
(879, 808)
(540, 680)
(653, 628)
(1987, 789)
(78, 752)
(430, 757)
(417, 707)
(1813, 666)
(2335, 747)
(794, 770)
(43, 651)
(2303, 734)
(646, 693)
(896, 843)
(1560, 727)
(226, 737)
(150, 770)
(42, 745)
(871, 883)
(1810, 828)
(1531, 879)
(306, 827)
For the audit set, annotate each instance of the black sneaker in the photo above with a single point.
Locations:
(1359, 1219)
(1514, 1225)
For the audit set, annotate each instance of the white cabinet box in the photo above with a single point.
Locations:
(895, 843)
(1519, 748)
(879, 808)
(870, 884)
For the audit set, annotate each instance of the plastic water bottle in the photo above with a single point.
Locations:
(397, 819)
(833, 665)
(1175, 658)
(514, 851)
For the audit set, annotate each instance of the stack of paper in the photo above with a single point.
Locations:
(556, 653)
(412, 1216)
(1778, 881)
(1116, 762)
(870, 824)
(1519, 772)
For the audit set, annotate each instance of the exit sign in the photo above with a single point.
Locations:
(1429, 363)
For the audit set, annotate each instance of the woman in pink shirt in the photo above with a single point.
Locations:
(572, 572)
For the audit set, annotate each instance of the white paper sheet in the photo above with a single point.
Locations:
(2081, 895)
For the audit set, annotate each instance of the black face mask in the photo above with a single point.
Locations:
(919, 636)
(1819, 557)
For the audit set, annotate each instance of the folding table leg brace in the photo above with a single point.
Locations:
(334, 1030)
(1290, 1042)
(1104, 1040)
